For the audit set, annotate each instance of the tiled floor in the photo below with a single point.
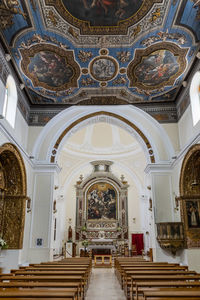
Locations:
(104, 286)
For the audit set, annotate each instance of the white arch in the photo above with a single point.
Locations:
(153, 131)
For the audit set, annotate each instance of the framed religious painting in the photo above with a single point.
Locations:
(190, 213)
(101, 200)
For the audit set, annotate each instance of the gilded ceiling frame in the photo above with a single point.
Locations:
(140, 54)
(68, 55)
(85, 27)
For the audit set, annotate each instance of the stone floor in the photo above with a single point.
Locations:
(104, 286)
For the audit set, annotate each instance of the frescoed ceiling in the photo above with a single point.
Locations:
(97, 52)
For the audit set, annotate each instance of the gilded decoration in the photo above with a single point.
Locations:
(12, 199)
(9, 8)
(157, 66)
(50, 67)
(100, 17)
(190, 196)
(141, 134)
(101, 204)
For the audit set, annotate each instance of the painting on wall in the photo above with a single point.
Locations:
(101, 202)
(193, 213)
(50, 68)
(157, 67)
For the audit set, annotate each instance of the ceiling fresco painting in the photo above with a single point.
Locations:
(157, 66)
(50, 67)
(100, 16)
(114, 51)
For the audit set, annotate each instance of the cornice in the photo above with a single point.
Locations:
(45, 167)
(159, 168)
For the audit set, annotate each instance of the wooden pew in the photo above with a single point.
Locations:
(189, 292)
(141, 286)
(49, 285)
(69, 276)
(53, 273)
(41, 293)
(128, 274)
(119, 268)
(38, 298)
(45, 279)
(72, 270)
(136, 279)
(173, 298)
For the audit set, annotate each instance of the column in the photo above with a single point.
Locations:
(41, 233)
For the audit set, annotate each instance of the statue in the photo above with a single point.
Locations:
(70, 233)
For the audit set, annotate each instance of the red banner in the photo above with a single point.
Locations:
(137, 240)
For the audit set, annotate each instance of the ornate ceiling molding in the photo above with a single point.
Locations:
(124, 19)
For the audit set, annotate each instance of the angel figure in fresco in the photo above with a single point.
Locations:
(108, 4)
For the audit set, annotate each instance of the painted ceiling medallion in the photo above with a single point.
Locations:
(50, 67)
(103, 68)
(157, 66)
(103, 16)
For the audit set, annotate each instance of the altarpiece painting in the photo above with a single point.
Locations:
(101, 201)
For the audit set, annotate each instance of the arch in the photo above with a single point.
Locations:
(190, 172)
(12, 196)
(148, 131)
(10, 101)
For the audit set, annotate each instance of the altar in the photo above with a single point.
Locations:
(101, 247)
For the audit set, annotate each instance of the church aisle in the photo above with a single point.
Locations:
(104, 285)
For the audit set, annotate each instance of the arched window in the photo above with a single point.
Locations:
(10, 101)
(195, 98)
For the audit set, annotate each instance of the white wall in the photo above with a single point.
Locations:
(187, 132)
(19, 133)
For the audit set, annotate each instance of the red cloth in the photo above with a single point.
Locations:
(137, 240)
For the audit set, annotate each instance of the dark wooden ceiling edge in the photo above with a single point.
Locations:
(54, 107)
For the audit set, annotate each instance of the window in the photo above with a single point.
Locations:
(10, 101)
(195, 98)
